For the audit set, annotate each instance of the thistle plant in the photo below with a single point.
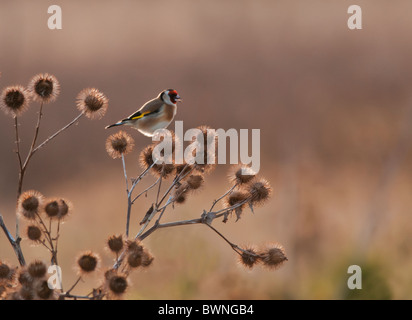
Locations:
(171, 184)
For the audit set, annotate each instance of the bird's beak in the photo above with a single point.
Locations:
(178, 98)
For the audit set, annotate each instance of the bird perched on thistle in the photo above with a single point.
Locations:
(155, 114)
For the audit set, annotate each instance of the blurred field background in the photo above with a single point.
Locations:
(335, 111)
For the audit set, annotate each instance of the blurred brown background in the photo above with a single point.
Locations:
(335, 111)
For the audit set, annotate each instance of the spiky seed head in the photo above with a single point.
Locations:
(117, 284)
(181, 193)
(37, 269)
(249, 257)
(65, 208)
(273, 256)
(51, 208)
(24, 278)
(26, 293)
(134, 259)
(241, 174)
(118, 144)
(147, 259)
(5, 271)
(34, 233)
(206, 145)
(134, 246)
(43, 291)
(14, 100)
(236, 198)
(195, 181)
(115, 243)
(146, 160)
(44, 87)
(259, 191)
(87, 262)
(29, 204)
(160, 135)
(92, 103)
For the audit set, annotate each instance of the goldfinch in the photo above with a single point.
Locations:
(155, 114)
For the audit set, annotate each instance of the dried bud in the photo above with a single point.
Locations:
(24, 278)
(146, 160)
(44, 87)
(195, 181)
(117, 284)
(5, 271)
(34, 233)
(242, 174)
(26, 293)
(115, 243)
(134, 259)
(259, 191)
(273, 256)
(181, 193)
(37, 269)
(30, 204)
(249, 257)
(204, 149)
(147, 259)
(87, 262)
(43, 291)
(118, 144)
(52, 208)
(92, 103)
(65, 208)
(236, 199)
(14, 100)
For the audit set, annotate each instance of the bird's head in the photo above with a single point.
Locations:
(170, 96)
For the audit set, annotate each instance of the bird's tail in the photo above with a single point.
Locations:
(115, 124)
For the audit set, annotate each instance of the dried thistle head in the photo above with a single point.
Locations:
(161, 134)
(26, 293)
(87, 262)
(6, 272)
(117, 284)
(259, 191)
(34, 233)
(273, 256)
(146, 161)
(43, 291)
(181, 193)
(134, 246)
(24, 278)
(147, 259)
(138, 256)
(30, 204)
(249, 257)
(14, 100)
(118, 144)
(115, 243)
(206, 146)
(65, 208)
(37, 269)
(92, 103)
(241, 174)
(195, 181)
(134, 259)
(51, 208)
(237, 198)
(44, 87)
